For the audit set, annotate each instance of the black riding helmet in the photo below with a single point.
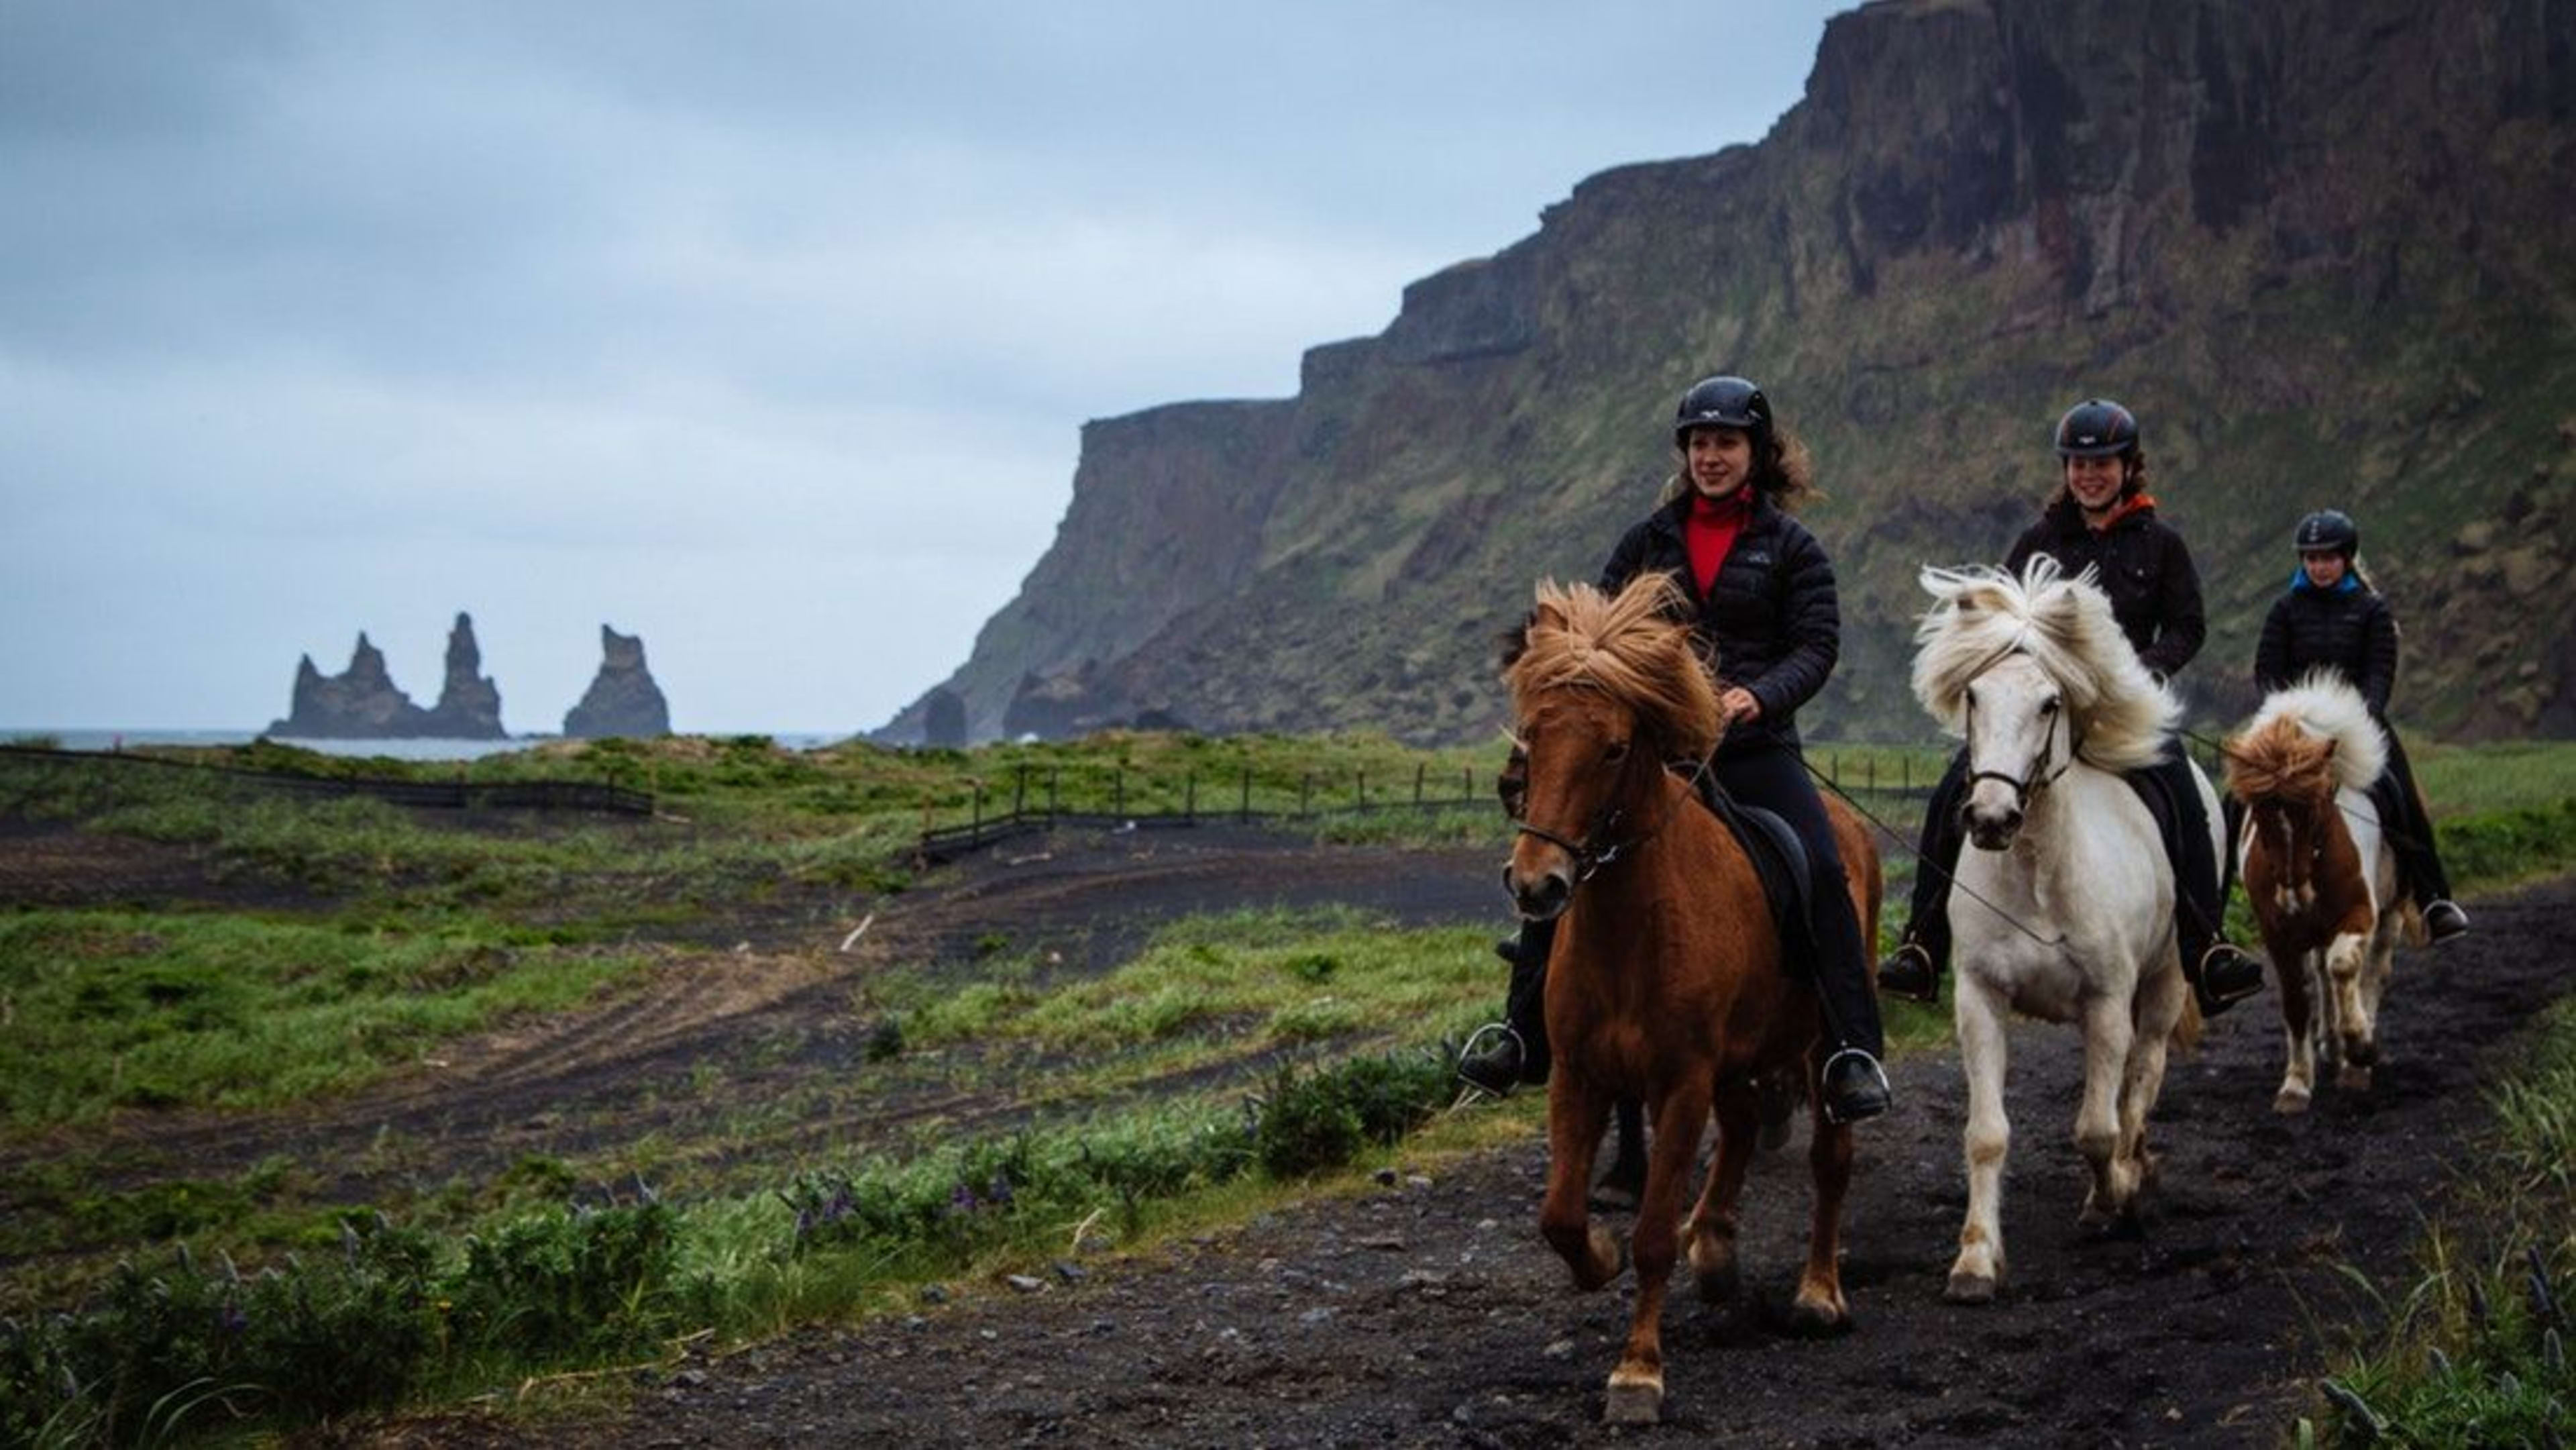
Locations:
(2328, 531)
(1723, 402)
(2097, 428)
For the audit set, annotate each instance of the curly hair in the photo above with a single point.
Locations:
(1783, 470)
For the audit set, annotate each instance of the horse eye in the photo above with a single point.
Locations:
(1615, 750)
(2048, 706)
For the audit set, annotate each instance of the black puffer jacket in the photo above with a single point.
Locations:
(1771, 614)
(2144, 568)
(2347, 630)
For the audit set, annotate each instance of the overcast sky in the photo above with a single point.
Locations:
(764, 330)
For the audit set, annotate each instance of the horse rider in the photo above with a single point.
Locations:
(1760, 595)
(2331, 618)
(2102, 518)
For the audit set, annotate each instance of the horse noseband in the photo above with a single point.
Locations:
(1588, 859)
(2031, 781)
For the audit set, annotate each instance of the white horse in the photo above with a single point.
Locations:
(2066, 910)
(2319, 872)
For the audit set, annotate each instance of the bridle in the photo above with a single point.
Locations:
(2039, 773)
(1588, 858)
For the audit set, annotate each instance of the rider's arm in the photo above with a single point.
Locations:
(2379, 658)
(2180, 623)
(1811, 621)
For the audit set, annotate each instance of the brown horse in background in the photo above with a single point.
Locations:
(2320, 875)
(1666, 983)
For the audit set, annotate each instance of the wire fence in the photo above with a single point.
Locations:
(537, 795)
(1036, 800)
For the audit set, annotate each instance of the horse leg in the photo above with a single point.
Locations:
(1576, 1113)
(2347, 968)
(2159, 1012)
(1711, 1230)
(1636, 1390)
(2298, 1030)
(1819, 1307)
(1625, 1180)
(2109, 1034)
(1979, 1015)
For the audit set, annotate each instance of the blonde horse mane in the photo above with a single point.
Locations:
(1628, 648)
(2122, 716)
(2306, 742)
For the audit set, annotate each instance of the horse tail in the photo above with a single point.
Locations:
(2187, 1028)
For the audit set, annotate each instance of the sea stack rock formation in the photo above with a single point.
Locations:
(622, 698)
(359, 703)
(469, 704)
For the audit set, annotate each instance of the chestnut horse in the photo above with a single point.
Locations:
(2066, 910)
(1667, 983)
(2319, 873)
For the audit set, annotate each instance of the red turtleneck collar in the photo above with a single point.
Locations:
(1711, 529)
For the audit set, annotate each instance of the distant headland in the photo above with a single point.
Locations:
(362, 702)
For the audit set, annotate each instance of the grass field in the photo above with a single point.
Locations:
(336, 942)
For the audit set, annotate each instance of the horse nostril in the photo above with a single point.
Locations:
(1546, 897)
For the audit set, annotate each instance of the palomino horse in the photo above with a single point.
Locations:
(2066, 910)
(1667, 982)
(2320, 873)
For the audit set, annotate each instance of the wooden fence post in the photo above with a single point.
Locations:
(1247, 793)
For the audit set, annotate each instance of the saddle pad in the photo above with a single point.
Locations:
(1780, 863)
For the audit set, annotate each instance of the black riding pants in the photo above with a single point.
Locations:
(1774, 777)
(2183, 821)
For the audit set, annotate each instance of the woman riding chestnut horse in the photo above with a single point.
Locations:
(1759, 594)
(1671, 982)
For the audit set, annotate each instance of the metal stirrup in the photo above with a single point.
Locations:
(1876, 1070)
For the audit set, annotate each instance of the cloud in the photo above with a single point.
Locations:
(766, 330)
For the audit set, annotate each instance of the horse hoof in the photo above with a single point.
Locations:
(1816, 1321)
(2290, 1102)
(1966, 1288)
(1637, 1401)
(2353, 1079)
(1720, 1285)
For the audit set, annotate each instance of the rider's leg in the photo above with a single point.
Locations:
(1855, 1086)
(1914, 968)
(2221, 973)
(1504, 1054)
(2419, 856)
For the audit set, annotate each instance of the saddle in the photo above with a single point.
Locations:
(1779, 863)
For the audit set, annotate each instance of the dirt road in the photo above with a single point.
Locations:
(1424, 1311)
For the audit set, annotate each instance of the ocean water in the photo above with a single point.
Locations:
(89, 739)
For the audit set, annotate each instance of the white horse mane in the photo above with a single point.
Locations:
(2121, 714)
(2326, 707)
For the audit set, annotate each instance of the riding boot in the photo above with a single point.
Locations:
(2410, 833)
(1502, 1055)
(2221, 973)
(1913, 970)
(1854, 1085)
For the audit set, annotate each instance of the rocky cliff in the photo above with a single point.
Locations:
(362, 702)
(622, 698)
(2325, 250)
